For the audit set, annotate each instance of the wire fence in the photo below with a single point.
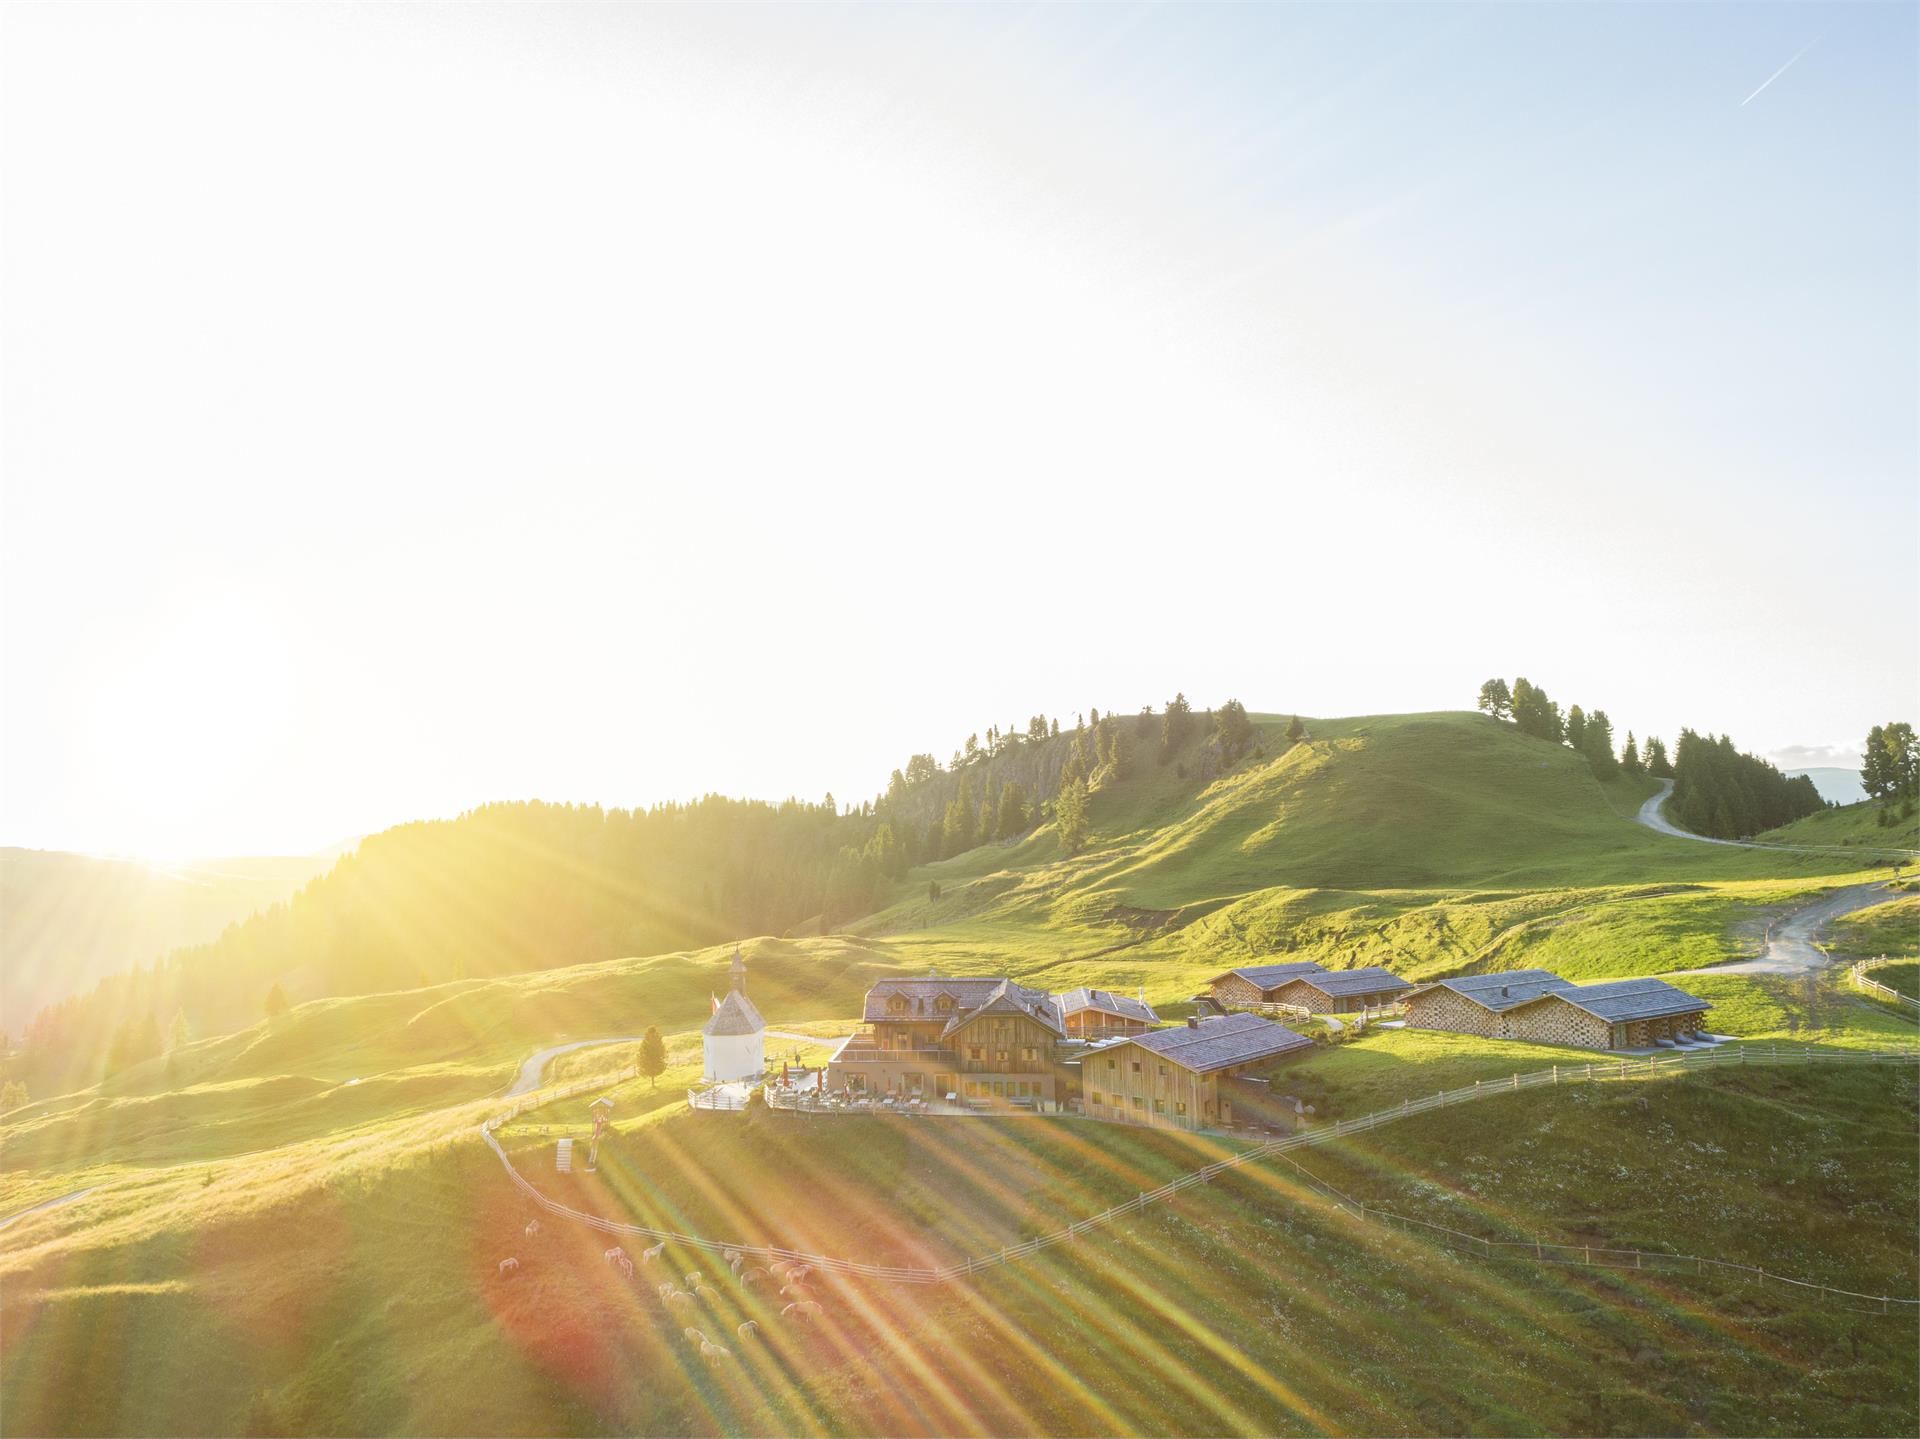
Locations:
(1857, 977)
(1655, 1066)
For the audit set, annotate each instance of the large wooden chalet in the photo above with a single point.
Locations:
(1542, 1008)
(1188, 1077)
(984, 1041)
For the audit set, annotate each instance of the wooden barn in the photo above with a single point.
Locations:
(1341, 991)
(1251, 984)
(1183, 1078)
(1540, 1007)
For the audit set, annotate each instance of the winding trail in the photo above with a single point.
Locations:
(47, 1204)
(1793, 945)
(528, 1078)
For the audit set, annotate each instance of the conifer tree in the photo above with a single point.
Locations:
(653, 1056)
(1576, 730)
(1630, 756)
(1070, 815)
(276, 1003)
(1496, 699)
(1296, 731)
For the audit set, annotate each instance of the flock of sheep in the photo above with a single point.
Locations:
(790, 1276)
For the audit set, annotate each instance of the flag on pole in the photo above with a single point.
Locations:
(716, 1001)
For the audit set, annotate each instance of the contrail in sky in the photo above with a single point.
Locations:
(1781, 71)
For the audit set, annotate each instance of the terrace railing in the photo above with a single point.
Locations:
(1656, 1066)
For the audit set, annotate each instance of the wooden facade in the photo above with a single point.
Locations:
(995, 1054)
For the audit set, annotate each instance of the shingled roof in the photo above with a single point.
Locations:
(1268, 976)
(1627, 999)
(920, 995)
(1107, 1002)
(1010, 998)
(1504, 990)
(736, 1015)
(1368, 979)
(1217, 1043)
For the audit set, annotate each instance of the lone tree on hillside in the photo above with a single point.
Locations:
(1495, 698)
(653, 1056)
(276, 1002)
(178, 1035)
(1296, 731)
(13, 1094)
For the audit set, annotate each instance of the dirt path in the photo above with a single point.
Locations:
(47, 1204)
(1793, 944)
(529, 1077)
(1651, 817)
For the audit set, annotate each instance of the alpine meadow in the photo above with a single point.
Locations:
(959, 720)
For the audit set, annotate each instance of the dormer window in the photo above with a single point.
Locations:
(944, 1004)
(897, 1005)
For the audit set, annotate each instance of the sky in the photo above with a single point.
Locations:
(407, 407)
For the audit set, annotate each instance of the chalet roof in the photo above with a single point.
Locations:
(1625, 999)
(1010, 998)
(1503, 990)
(1368, 979)
(1266, 976)
(736, 1015)
(1107, 1002)
(1216, 1043)
(921, 993)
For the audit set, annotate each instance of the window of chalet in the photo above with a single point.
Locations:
(1180, 1106)
(1159, 1106)
(973, 1051)
(1136, 1066)
(1139, 1102)
(897, 1005)
(944, 1004)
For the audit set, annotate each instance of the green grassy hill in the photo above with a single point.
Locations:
(1855, 826)
(293, 1229)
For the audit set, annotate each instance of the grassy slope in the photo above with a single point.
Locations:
(1433, 843)
(1853, 826)
(358, 1296)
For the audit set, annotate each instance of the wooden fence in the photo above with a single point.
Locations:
(1655, 1066)
(1857, 976)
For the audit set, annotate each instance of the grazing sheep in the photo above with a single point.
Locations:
(681, 1299)
(615, 1253)
(798, 1273)
(693, 1279)
(507, 1266)
(748, 1329)
(713, 1351)
(795, 1291)
(533, 1228)
(755, 1275)
(800, 1307)
(707, 1294)
(667, 1291)
(733, 1257)
(694, 1335)
(624, 1265)
(647, 1256)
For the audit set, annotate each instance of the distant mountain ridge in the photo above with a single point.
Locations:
(73, 918)
(1841, 786)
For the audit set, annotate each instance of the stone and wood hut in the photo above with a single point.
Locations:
(1101, 1014)
(1540, 1007)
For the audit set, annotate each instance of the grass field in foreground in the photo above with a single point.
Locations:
(360, 1295)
